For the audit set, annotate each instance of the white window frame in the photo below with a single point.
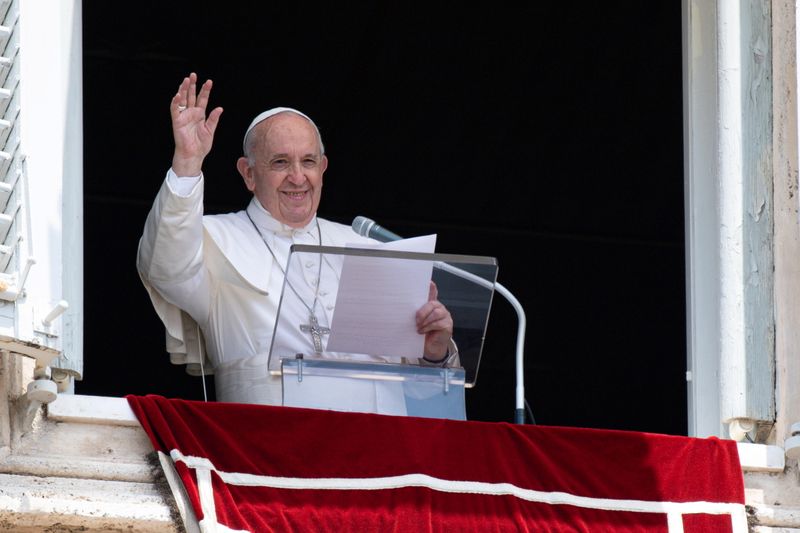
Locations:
(51, 140)
(51, 46)
(729, 197)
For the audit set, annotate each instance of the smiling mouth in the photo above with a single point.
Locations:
(295, 195)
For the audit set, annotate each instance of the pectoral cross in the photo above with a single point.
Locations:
(316, 331)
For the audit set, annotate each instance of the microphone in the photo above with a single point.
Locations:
(366, 227)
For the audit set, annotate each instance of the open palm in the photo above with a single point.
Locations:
(192, 130)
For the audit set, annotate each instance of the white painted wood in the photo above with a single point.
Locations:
(10, 172)
(701, 213)
(757, 399)
(50, 125)
(729, 164)
(728, 158)
(72, 197)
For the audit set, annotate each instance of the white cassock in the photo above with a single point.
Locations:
(214, 275)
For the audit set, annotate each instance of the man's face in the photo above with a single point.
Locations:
(287, 169)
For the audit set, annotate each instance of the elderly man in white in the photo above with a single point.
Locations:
(216, 280)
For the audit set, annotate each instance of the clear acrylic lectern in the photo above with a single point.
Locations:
(328, 360)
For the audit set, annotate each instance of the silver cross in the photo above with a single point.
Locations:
(316, 331)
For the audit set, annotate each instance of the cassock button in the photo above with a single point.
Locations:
(329, 307)
(314, 282)
(309, 264)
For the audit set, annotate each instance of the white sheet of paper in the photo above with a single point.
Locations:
(378, 299)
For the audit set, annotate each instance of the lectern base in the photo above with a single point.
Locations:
(383, 388)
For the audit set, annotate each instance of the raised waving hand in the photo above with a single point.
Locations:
(192, 130)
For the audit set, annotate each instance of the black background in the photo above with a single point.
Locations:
(547, 135)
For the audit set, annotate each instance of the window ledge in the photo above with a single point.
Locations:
(103, 410)
(761, 457)
(31, 503)
(87, 465)
(110, 411)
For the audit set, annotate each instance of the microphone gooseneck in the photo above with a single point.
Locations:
(368, 228)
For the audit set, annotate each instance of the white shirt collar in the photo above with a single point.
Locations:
(267, 223)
